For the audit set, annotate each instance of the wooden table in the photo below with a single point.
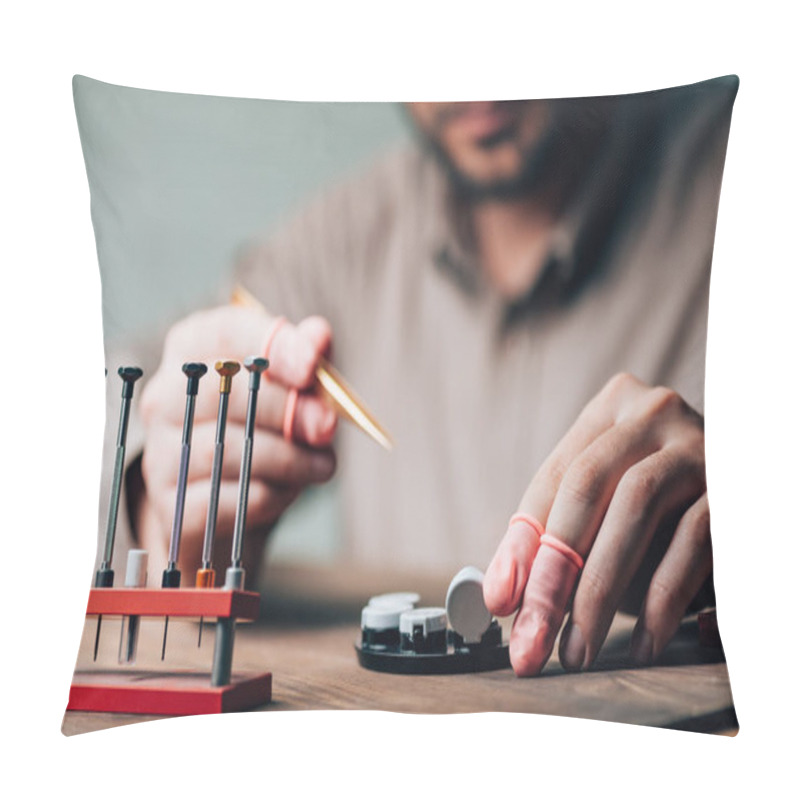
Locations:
(310, 622)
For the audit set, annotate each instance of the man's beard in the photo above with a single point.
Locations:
(523, 182)
(562, 141)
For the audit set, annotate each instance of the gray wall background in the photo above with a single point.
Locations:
(179, 182)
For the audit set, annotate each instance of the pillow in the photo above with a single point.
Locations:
(519, 292)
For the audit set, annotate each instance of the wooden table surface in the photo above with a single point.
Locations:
(310, 622)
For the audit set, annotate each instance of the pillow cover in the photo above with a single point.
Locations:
(520, 292)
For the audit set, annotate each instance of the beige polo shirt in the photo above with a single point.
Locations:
(477, 389)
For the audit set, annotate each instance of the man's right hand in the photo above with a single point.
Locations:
(280, 468)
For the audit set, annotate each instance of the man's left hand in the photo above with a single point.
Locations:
(633, 462)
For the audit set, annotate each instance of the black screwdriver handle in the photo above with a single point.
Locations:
(193, 371)
(129, 376)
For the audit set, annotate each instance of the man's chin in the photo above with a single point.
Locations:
(485, 185)
(493, 176)
(496, 188)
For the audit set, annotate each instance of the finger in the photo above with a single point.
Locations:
(278, 461)
(295, 352)
(677, 580)
(161, 457)
(215, 333)
(585, 492)
(625, 422)
(234, 333)
(318, 331)
(648, 493)
(508, 572)
(265, 504)
(598, 416)
(641, 420)
(312, 420)
(547, 593)
(273, 458)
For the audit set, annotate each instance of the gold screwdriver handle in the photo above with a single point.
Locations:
(226, 370)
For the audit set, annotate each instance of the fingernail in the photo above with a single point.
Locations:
(573, 648)
(642, 647)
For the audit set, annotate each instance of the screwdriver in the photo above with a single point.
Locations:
(234, 575)
(105, 575)
(171, 577)
(205, 575)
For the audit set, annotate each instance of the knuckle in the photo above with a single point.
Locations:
(661, 401)
(693, 443)
(698, 526)
(584, 481)
(638, 490)
(595, 587)
(685, 460)
(619, 385)
(695, 448)
(552, 474)
(665, 597)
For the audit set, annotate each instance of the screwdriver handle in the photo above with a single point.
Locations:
(226, 370)
(205, 579)
(193, 371)
(255, 365)
(129, 376)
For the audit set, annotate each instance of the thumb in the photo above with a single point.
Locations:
(294, 351)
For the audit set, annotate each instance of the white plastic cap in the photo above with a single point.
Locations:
(391, 600)
(136, 569)
(466, 610)
(383, 617)
(431, 619)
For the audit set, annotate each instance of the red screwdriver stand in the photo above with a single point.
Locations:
(169, 693)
